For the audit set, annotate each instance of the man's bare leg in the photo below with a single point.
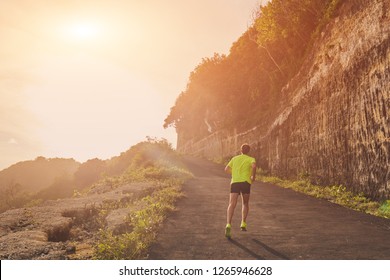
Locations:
(232, 205)
(229, 215)
(245, 210)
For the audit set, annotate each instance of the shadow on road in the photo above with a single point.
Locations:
(253, 254)
(272, 251)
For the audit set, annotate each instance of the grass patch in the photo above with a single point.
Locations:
(385, 208)
(145, 223)
(158, 165)
(336, 194)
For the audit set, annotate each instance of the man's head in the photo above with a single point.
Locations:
(245, 149)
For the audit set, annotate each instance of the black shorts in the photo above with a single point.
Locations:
(240, 187)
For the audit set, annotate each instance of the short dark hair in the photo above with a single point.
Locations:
(245, 148)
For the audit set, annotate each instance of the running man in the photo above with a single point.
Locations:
(243, 171)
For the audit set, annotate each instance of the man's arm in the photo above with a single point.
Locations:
(228, 169)
(253, 176)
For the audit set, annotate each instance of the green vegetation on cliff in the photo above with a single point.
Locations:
(242, 89)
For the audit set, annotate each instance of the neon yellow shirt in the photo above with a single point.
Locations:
(241, 166)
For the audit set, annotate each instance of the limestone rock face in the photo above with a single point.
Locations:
(334, 122)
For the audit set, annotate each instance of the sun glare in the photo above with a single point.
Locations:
(83, 31)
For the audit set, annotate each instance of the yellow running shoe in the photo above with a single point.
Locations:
(228, 230)
(243, 226)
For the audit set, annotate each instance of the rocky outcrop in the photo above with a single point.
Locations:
(333, 124)
(67, 228)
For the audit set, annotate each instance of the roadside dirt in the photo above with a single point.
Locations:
(282, 224)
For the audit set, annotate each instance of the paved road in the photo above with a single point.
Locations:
(282, 224)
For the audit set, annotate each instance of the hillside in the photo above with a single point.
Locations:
(34, 182)
(37, 179)
(115, 218)
(36, 175)
(311, 97)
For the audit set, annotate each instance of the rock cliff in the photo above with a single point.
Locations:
(333, 122)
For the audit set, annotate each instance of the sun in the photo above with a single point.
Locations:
(81, 31)
(85, 30)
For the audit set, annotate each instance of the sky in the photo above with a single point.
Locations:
(89, 79)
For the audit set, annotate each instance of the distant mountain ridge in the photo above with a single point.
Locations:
(33, 181)
(36, 175)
